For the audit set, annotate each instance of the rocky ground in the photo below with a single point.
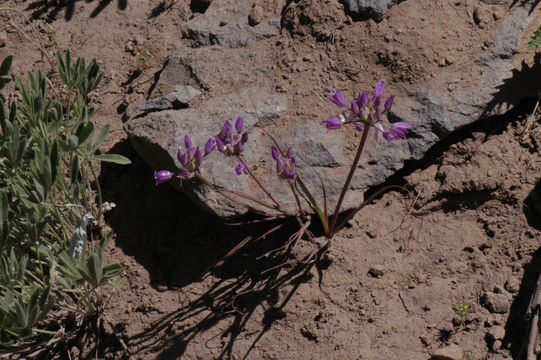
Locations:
(445, 270)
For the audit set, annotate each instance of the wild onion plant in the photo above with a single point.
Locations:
(365, 114)
(48, 185)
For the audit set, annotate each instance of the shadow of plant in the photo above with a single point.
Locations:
(524, 82)
(52, 8)
(236, 300)
(177, 243)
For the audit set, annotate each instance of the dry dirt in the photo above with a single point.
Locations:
(390, 284)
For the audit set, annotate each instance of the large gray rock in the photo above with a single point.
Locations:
(239, 81)
(227, 23)
(373, 9)
(442, 105)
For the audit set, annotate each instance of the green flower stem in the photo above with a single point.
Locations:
(98, 190)
(332, 229)
(314, 204)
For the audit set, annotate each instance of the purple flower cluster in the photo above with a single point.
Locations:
(192, 158)
(285, 165)
(367, 111)
(228, 141)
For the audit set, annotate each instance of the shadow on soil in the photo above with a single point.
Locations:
(51, 8)
(177, 243)
(518, 323)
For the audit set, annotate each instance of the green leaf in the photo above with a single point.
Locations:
(74, 169)
(95, 269)
(535, 41)
(102, 135)
(112, 270)
(4, 71)
(73, 142)
(86, 131)
(112, 158)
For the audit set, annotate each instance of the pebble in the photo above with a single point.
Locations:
(496, 345)
(255, 16)
(161, 288)
(496, 332)
(512, 285)
(496, 303)
(451, 352)
(3, 38)
(376, 270)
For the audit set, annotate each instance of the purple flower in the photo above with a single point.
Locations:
(338, 98)
(354, 108)
(209, 146)
(238, 124)
(362, 99)
(332, 123)
(398, 131)
(359, 126)
(186, 174)
(162, 176)
(229, 143)
(240, 169)
(389, 103)
(275, 154)
(380, 89)
(188, 142)
(285, 166)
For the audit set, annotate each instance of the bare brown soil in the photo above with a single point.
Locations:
(389, 286)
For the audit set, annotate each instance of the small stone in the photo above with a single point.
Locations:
(496, 303)
(161, 288)
(496, 345)
(496, 332)
(3, 38)
(451, 87)
(256, 15)
(512, 285)
(130, 47)
(451, 352)
(376, 270)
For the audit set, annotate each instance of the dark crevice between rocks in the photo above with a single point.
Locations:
(199, 6)
(490, 125)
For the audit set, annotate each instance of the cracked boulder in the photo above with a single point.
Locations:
(237, 80)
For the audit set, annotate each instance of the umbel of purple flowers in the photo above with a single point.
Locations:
(367, 111)
(285, 165)
(229, 142)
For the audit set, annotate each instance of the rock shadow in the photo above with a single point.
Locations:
(518, 324)
(51, 8)
(532, 207)
(177, 243)
(523, 83)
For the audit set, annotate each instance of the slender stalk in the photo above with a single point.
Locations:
(243, 195)
(315, 206)
(258, 182)
(98, 189)
(297, 200)
(348, 181)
